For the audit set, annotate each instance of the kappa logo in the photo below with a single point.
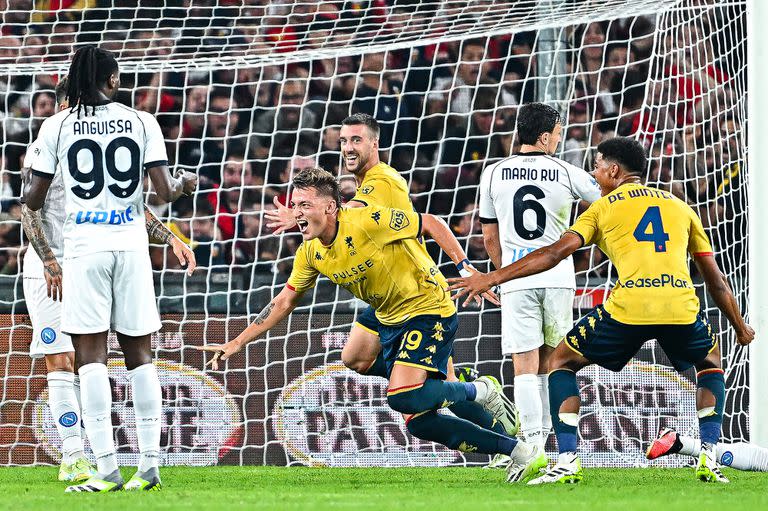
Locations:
(366, 190)
(318, 256)
(376, 215)
(399, 221)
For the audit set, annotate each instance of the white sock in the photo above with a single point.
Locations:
(743, 456)
(691, 446)
(96, 394)
(76, 385)
(528, 401)
(147, 403)
(66, 414)
(546, 417)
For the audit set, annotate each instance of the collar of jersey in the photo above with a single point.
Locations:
(100, 103)
(533, 153)
(329, 245)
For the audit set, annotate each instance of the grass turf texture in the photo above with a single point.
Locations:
(470, 489)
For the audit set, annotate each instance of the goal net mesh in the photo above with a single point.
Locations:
(247, 92)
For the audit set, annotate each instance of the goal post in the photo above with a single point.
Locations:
(758, 233)
(246, 94)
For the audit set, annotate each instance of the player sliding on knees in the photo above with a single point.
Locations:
(365, 251)
(647, 234)
(378, 184)
(102, 150)
(43, 295)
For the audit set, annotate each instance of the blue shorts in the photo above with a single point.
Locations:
(367, 319)
(601, 339)
(425, 342)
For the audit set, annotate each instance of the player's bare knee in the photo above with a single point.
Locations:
(526, 362)
(711, 361)
(352, 360)
(64, 362)
(136, 350)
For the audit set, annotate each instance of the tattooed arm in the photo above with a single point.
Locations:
(33, 230)
(277, 310)
(159, 233)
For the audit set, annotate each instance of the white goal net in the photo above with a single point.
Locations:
(246, 92)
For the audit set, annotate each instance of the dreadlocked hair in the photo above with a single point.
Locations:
(90, 69)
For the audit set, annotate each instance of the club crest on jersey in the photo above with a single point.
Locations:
(399, 221)
(48, 335)
(114, 217)
(350, 245)
(367, 189)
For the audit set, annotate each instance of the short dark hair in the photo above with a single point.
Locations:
(319, 179)
(533, 119)
(61, 90)
(627, 152)
(365, 120)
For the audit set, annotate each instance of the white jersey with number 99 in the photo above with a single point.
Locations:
(102, 156)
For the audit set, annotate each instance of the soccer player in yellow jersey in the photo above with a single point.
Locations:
(648, 234)
(377, 184)
(367, 251)
(381, 185)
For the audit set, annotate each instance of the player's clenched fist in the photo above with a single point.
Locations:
(745, 336)
(188, 181)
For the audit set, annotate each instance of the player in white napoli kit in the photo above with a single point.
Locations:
(42, 293)
(102, 150)
(525, 204)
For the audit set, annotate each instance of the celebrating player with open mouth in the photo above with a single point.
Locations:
(363, 251)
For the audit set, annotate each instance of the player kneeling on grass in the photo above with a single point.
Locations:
(648, 234)
(363, 250)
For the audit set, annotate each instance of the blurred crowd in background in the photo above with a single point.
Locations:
(447, 110)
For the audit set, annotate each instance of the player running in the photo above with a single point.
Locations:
(647, 234)
(42, 292)
(525, 204)
(363, 251)
(381, 185)
(102, 149)
(738, 455)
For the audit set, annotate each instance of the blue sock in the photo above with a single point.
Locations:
(459, 434)
(378, 368)
(430, 395)
(476, 414)
(562, 385)
(709, 427)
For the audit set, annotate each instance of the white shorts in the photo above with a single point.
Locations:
(45, 313)
(110, 290)
(531, 318)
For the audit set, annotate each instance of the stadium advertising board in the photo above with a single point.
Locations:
(288, 400)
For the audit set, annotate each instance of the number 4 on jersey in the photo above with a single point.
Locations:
(652, 218)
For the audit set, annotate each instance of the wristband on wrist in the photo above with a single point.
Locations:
(464, 267)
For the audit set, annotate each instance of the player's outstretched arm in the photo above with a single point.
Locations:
(33, 230)
(438, 230)
(720, 291)
(277, 310)
(169, 188)
(159, 233)
(537, 261)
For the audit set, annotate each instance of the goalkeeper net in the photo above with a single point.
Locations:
(248, 92)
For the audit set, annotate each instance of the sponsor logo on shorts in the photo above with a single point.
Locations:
(663, 280)
(68, 419)
(727, 458)
(48, 335)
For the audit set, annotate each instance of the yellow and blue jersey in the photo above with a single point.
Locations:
(384, 186)
(647, 234)
(376, 257)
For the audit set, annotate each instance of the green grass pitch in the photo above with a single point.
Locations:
(433, 489)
